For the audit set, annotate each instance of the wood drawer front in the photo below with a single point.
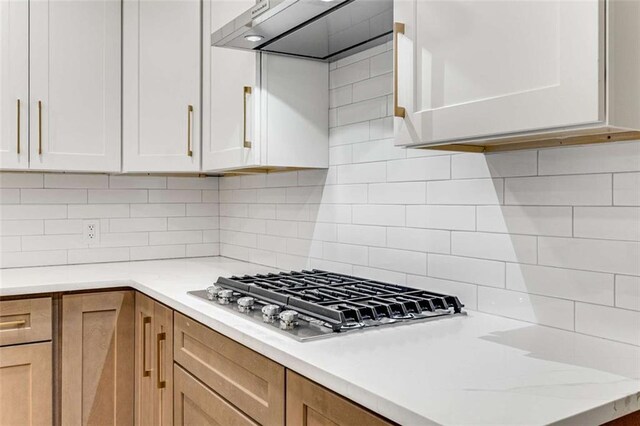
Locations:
(25, 385)
(310, 404)
(195, 404)
(248, 380)
(25, 320)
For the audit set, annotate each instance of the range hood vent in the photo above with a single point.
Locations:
(323, 30)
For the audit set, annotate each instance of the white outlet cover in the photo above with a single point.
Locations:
(91, 231)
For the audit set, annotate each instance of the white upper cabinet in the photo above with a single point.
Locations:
(75, 68)
(482, 70)
(161, 86)
(262, 112)
(14, 84)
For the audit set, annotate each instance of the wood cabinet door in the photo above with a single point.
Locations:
(97, 371)
(25, 384)
(312, 405)
(154, 363)
(478, 69)
(75, 83)
(230, 137)
(248, 380)
(161, 86)
(196, 405)
(14, 84)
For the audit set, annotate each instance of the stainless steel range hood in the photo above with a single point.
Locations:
(324, 30)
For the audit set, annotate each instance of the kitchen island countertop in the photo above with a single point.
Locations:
(477, 369)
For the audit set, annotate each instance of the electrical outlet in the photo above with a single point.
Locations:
(91, 232)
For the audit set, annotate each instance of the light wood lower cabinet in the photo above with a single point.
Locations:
(25, 384)
(310, 404)
(195, 404)
(246, 379)
(154, 363)
(97, 368)
(25, 320)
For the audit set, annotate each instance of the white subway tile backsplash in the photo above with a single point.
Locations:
(137, 182)
(192, 183)
(52, 242)
(70, 180)
(21, 227)
(46, 211)
(534, 220)
(21, 180)
(591, 255)
(63, 226)
(466, 269)
(584, 286)
(175, 196)
(97, 255)
(418, 169)
(259, 211)
(33, 258)
(202, 250)
(410, 262)
(269, 195)
(602, 321)
(362, 173)
(9, 196)
(345, 194)
(597, 158)
(175, 237)
(398, 193)
(578, 190)
(527, 307)
(384, 215)
(626, 189)
(361, 111)
(53, 196)
(138, 224)
(472, 191)
(379, 150)
(509, 164)
(381, 63)
(340, 96)
(157, 210)
(358, 132)
(8, 244)
(284, 179)
(628, 292)
(349, 74)
(374, 87)
(93, 211)
(117, 196)
(462, 218)
(124, 239)
(510, 248)
(202, 209)
(614, 223)
(424, 240)
(157, 252)
(317, 231)
(362, 235)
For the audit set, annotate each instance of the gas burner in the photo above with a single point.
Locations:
(313, 304)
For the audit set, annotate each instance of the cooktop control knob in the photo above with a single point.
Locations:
(270, 313)
(288, 320)
(224, 296)
(245, 304)
(212, 292)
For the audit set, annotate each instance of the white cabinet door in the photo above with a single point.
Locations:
(231, 138)
(75, 85)
(161, 72)
(14, 84)
(471, 69)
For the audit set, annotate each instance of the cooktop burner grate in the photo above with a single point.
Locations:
(342, 301)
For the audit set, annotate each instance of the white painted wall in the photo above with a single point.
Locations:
(140, 217)
(549, 236)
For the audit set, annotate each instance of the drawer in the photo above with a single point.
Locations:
(196, 404)
(25, 320)
(246, 379)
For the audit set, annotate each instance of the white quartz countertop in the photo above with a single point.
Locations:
(477, 369)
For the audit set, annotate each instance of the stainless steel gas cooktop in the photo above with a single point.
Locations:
(313, 304)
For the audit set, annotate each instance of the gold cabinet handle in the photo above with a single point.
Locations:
(398, 111)
(39, 127)
(189, 115)
(146, 321)
(161, 338)
(18, 128)
(247, 92)
(12, 324)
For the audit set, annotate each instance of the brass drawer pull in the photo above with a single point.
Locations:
(246, 143)
(146, 321)
(39, 127)
(161, 338)
(18, 128)
(189, 119)
(12, 324)
(398, 111)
